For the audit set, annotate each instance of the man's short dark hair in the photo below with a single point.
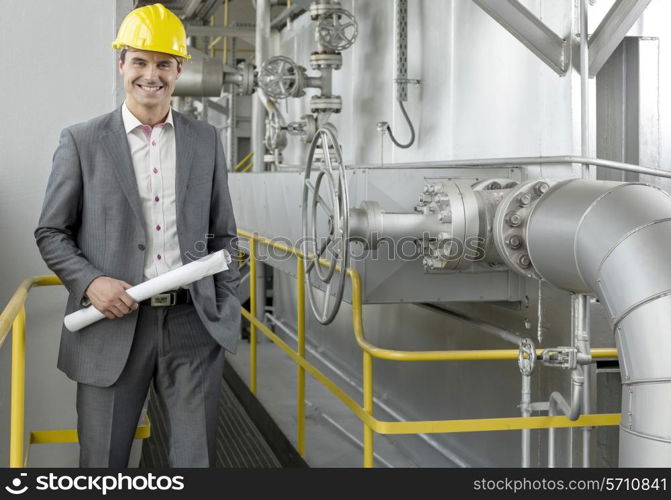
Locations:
(122, 56)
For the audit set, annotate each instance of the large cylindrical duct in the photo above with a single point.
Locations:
(612, 239)
(201, 76)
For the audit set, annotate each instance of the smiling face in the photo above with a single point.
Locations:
(149, 80)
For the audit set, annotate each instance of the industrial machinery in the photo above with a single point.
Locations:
(477, 239)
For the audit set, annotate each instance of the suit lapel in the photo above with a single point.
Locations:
(115, 143)
(184, 145)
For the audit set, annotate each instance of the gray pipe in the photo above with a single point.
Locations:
(525, 409)
(611, 239)
(262, 44)
(584, 87)
(571, 411)
(201, 76)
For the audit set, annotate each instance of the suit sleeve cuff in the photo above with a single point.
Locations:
(79, 289)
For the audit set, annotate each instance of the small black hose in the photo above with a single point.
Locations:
(412, 130)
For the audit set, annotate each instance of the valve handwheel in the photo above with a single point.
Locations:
(280, 77)
(335, 208)
(276, 135)
(337, 30)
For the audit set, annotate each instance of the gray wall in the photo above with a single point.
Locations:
(59, 70)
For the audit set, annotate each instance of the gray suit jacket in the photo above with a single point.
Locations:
(92, 225)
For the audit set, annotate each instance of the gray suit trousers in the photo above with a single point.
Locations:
(171, 347)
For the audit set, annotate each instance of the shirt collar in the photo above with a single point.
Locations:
(130, 121)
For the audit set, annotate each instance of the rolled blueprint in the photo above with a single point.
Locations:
(180, 277)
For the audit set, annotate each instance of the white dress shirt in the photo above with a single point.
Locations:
(153, 152)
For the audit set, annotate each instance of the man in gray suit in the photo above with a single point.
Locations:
(133, 194)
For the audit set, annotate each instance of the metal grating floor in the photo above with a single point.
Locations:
(239, 442)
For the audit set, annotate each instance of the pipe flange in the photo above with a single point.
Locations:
(320, 8)
(321, 104)
(325, 60)
(276, 132)
(494, 184)
(337, 30)
(309, 128)
(510, 225)
(457, 206)
(247, 79)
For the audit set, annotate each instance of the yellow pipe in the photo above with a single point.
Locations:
(210, 47)
(365, 413)
(70, 435)
(395, 355)
(214, 42)
(251, 164)
(243, 161)
(17, 301)
(435, 426)
(252, 306)
(368, 445)
(300, 288)
(18, 397)
(226, 38)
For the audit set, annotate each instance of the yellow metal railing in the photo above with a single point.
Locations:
(365, 412)
(13, 318)
(245, 164)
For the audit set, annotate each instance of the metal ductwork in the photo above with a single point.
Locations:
(610, 239)
(201, 76)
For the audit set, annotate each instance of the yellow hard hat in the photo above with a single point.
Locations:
(154, 28)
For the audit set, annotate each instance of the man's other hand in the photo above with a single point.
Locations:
(109, 296)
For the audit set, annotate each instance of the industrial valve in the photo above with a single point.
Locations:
(205, 76)
(325, 154)
(337, 30)
(276, 132)
(280, 77)
(243, 77)
(561, 357)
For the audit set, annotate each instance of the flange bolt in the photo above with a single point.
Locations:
(513, 219)
(542, 188)
(524, 199)
(514, 241)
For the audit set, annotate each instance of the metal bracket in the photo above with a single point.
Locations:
(529, 30)
(612, 30)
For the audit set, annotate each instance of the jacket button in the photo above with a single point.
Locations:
(141, 246)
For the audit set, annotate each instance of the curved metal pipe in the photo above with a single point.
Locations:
(611, 239)
(411, 141)
(571, 411)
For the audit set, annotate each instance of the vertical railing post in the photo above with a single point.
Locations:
(368, 408)
(300, 289)
(252, 306)
(18, 388)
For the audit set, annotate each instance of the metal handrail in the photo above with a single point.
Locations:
(13, 318)
(365, 412)
(243, 161)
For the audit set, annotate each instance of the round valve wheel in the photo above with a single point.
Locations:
(276, 132)
(280, 77)
(333, 208)
(337, 30)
